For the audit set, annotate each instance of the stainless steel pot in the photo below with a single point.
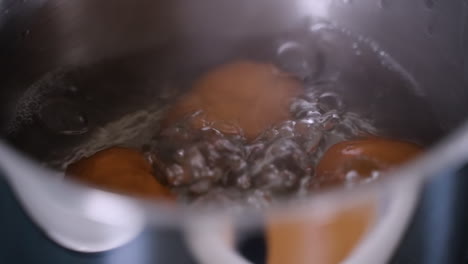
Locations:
(124, 50)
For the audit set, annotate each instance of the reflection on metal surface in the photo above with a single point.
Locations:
(317, 8)
(76, 217)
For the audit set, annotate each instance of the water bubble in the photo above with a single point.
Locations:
(176, 175)
(244, 182)
(280, 166)
(290, 45)
(352, 176)
(329, 101)
(375, 174)
(294, 58)
(287, 129)
(200, 156)
(303, 107)
(357, 49)
(306, 127)
(316, 27)
(196, 162)
(259, 199)
(200, 187)
(329, 121)
(64, 117)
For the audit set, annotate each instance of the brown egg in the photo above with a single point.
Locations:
(363, 157)
(121, 170)
(310, 237)
(315, 239)
(248, 95)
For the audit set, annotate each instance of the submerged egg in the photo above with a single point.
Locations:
(119, 169)
(247, 95)
(360, 159)
(311, 236)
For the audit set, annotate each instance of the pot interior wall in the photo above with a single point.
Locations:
(96, 62)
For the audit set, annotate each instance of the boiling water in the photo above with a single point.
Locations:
(206, 165)
(341, 73)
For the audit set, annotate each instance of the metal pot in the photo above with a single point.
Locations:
(122, 54)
